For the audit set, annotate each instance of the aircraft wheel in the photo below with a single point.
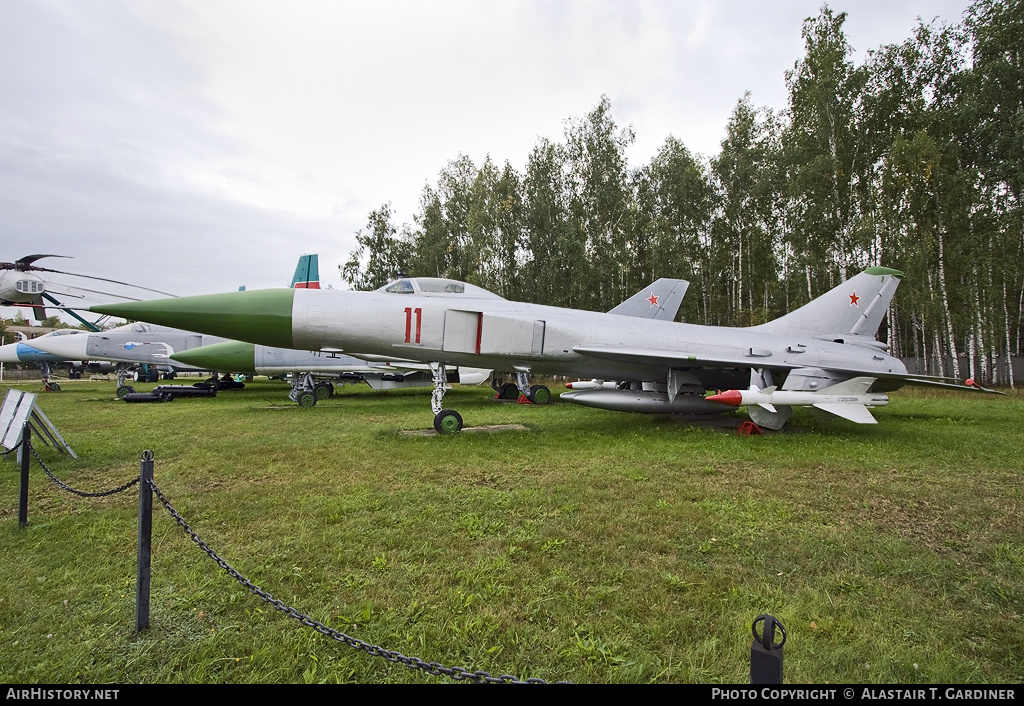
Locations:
(323, 391)
(166, 397)
(307, 399)
(539, 394)
(448, 421)
(509, 391)
(124, 391)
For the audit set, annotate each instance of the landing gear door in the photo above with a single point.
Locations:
(511, 335)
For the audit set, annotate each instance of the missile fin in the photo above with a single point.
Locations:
(769, 407)
(853, 412)
(853, 386)
(770, 420)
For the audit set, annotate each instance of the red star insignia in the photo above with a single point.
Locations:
(653, 299)
(854, 299)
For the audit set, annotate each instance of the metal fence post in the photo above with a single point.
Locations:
(26, 455)
(765, 652)
(143, 559)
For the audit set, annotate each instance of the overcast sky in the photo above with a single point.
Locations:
(198, 146)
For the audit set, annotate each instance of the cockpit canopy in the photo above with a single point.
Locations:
(134, 327)
(437, 287)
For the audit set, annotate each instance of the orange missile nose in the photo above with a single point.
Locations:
(732, 397)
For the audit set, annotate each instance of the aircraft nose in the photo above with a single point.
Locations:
(69, 347)
(259, 315)
(9, 353)
(230, 356)
(25, 353)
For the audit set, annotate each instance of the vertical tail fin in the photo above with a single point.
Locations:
(659, 301)
(307, 273)
(854, 308)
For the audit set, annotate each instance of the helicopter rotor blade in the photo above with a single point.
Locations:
(25, 264)
(29, 259)
(102, 279)
(63, 290)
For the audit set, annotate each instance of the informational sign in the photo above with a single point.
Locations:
(20, 408)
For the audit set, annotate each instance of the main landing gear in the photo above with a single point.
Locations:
(505, 390)
(306, 390)
(448, 421)
(521, 390)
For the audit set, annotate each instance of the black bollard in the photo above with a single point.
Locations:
(765, 652)
(24, 453)
(143, 558)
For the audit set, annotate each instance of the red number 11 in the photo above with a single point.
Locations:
(408, 323)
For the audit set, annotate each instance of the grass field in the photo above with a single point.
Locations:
(594, 547)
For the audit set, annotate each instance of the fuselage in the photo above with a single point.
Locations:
(504, 335)
(436, 320)
(132, 343)
(18, 287)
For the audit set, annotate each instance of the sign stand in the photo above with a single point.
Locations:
(19, 409)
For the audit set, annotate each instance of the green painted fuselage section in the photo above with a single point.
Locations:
(260, 316)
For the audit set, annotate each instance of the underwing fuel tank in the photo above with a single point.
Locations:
(645, 401)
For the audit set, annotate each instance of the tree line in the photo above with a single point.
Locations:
(913, 160)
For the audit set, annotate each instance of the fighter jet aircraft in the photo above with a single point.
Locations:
(131, 345)
(30, 352)
(662, 366)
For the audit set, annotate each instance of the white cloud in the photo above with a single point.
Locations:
(221, 139)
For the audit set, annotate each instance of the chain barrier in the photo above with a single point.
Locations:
(82, 493)
(434, 668)
(13, 448)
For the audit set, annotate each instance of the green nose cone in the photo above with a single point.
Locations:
(259, 316)
(227, 357)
